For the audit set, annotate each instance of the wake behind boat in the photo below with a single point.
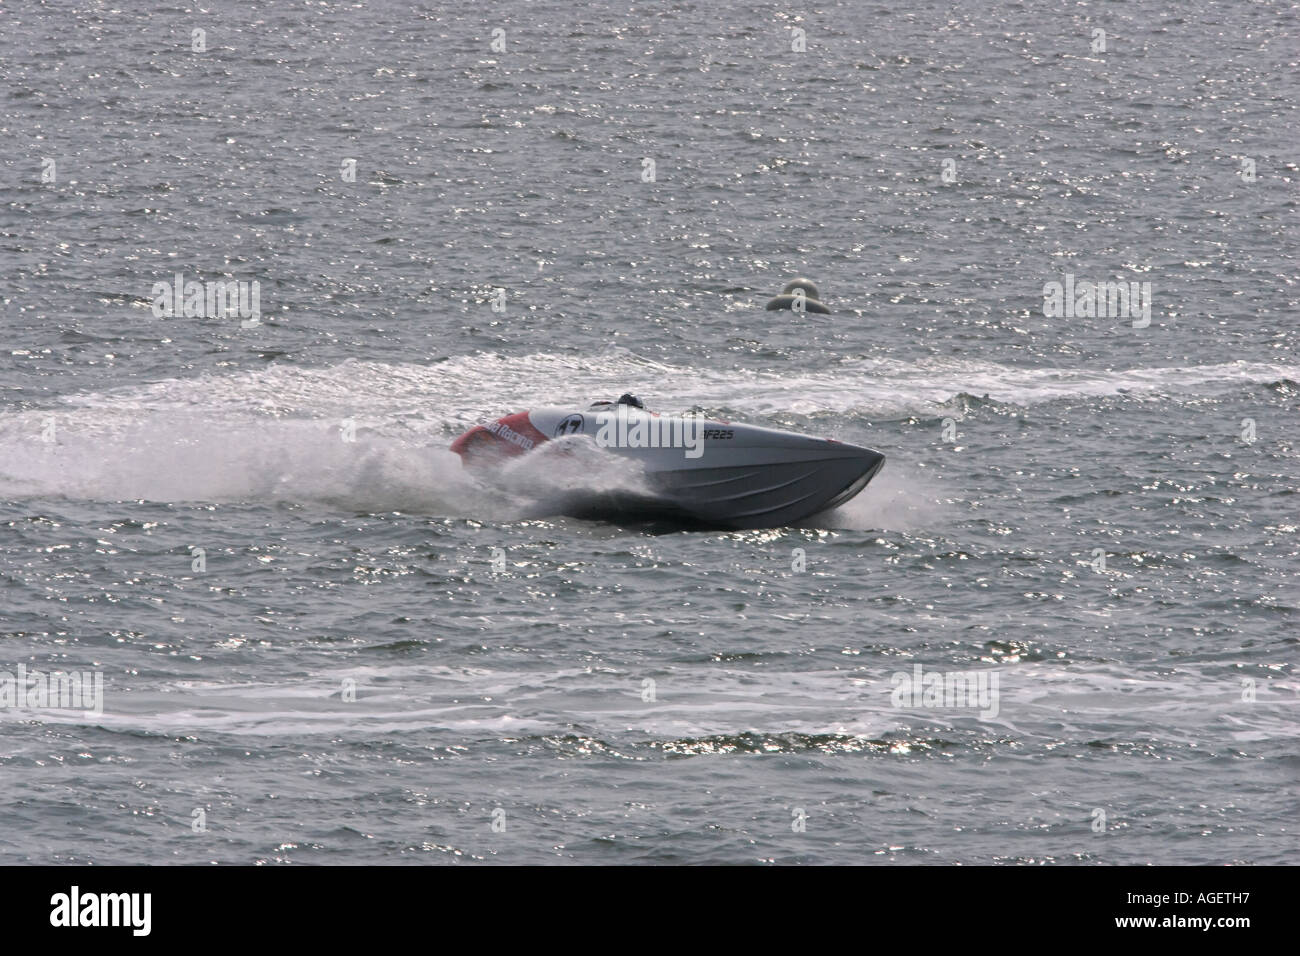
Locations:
(695, 469)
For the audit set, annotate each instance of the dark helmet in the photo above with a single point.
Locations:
(627, 398)
(809, 290)
(800, 295)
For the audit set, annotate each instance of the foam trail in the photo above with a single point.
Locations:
(448, 397)
(179, 455)
(192, 456)
(276, 433)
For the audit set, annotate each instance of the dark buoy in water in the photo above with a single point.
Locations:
(798, 296)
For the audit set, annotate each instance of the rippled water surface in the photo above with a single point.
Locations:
(349, 651)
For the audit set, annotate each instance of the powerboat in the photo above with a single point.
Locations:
(689, 468)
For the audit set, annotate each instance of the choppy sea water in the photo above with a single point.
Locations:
(316, 650)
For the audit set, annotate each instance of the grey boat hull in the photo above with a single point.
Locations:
(701, 471)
